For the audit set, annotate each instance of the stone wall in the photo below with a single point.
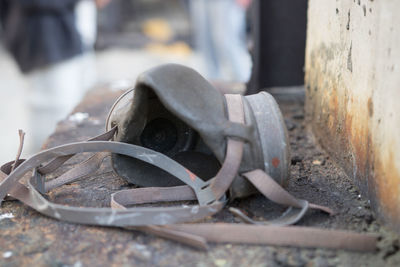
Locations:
(353, 93)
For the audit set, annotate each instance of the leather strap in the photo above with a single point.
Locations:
(307, 237)
(85, 168)
(107, 216)
(57, 162)
(274, 192)
(221, 183)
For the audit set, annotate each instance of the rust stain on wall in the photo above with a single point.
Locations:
(342, 122)
(387, 177)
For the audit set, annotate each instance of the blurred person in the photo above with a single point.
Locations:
(52, 43)
(220, 36)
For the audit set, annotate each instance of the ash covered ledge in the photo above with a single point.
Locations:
(30, 238)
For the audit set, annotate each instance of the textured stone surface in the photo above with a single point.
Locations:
(30, 239)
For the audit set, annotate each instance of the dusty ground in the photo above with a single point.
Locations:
(31, 239)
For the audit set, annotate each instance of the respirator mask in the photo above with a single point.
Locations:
(175, 111)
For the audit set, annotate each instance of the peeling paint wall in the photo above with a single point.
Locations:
(353, 93)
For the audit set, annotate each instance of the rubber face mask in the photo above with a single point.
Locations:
(175, 111)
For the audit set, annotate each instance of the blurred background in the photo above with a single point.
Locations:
(53, 51)
(122, 38)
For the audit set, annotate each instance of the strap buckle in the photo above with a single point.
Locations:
(38, 181)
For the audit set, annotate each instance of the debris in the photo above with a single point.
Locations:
(140, 252)
(6, 216)
(78, 117)
(296, 159)
(317, 162)
(7, 254)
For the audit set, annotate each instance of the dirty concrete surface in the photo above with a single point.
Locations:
(30, 239)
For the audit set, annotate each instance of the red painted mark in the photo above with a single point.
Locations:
(275, 162)
(191, 175)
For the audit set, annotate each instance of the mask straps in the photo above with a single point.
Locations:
(57, 162)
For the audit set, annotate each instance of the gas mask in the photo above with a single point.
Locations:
(178, 138)
(175, 111)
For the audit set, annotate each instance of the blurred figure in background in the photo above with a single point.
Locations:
(220, 36)
(52, 43)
